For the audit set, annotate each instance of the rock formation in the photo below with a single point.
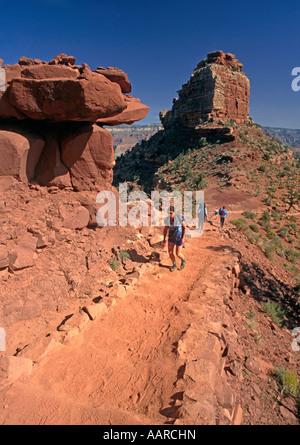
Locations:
(51, 119)
(217, 90)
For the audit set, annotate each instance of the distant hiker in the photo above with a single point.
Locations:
(177, 230)
(223, 213)
(215, 214)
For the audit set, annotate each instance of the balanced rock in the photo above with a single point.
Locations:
(66, 99)
(53, 108)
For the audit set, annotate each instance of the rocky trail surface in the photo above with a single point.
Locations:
(154, 357)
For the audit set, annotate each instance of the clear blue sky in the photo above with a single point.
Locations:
(159, 43)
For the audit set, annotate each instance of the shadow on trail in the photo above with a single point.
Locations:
(171, 412)
(223, 248)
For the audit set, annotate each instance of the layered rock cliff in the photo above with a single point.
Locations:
(216, 90)
(52, 117)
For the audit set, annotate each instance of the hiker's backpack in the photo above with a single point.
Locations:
(222, 212)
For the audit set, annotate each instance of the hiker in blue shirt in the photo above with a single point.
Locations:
(177, 230)
(223, 213)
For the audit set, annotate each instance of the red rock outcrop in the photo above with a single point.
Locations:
(41, 100)
(217, 90)
(134, 111)
(19, 153)
(89, 156)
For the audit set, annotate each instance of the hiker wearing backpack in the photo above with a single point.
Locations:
(177, 229)
(223, 213)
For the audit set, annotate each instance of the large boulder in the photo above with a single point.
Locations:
(89, 155)
(43, 71)
(61, 101)
(116, 75)
(19, 153)
(66, 99)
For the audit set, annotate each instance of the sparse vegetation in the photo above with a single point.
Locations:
(274, 311)
(114, 264)
(124, 255)
(287, 382)
(249, 215)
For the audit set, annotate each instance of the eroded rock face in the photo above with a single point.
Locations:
(89, 156)
(216, 90)
(55, 112)
(19, 152)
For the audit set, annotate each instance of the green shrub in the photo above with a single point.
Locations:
(114, 264)
(124, 255)
(266, 217)
(254, 228)
(268, 249)
(287, 382)
(270, 233)
(249, 215)
(240, 224)
(293, 256)
(274, 312)
(282, 232)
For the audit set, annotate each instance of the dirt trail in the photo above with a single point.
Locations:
(122, 368)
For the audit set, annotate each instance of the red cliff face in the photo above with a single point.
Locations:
(63, 106)
(216, 90)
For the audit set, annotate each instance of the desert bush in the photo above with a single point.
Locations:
(243, 227)
(287, 382)
(249, 215)
(274, 312)
(124, 255)
(262, 168)
(293, 256)
(240, 224)
(270, 233)
(268, 249)
(283, 231)
(114, 264)
(265, 217)
(277, 215)
(254, 228)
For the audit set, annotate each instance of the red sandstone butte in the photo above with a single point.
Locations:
(216, 90)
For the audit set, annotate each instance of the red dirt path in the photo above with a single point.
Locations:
(122, 368)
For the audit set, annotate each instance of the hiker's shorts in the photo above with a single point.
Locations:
(176, 242)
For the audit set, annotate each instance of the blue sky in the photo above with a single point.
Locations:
(159, 43)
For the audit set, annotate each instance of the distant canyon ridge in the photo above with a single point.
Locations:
(126, 137)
